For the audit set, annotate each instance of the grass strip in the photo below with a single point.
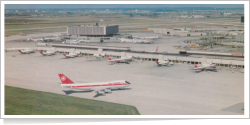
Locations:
(19, 101)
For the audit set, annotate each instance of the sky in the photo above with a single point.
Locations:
(67, 6)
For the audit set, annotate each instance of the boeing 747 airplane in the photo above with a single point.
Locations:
(99, 87)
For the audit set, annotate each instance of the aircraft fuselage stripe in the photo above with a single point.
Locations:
(206, 67)
(99, 85)
(119, 60)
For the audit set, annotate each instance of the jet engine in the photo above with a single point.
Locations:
(100, 92)
(107, 90)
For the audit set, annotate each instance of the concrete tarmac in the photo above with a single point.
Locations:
(153, 91)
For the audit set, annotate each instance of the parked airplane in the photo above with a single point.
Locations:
(35, 39)
(71, 55)
(22, 34)
(154, 51)
(147, 37)
(164, 62)
(122, 60)
(211, 67)
(47, 39)
(99, 87)
(143, 41)
(26, 51)
(48, 53)
(44, 39)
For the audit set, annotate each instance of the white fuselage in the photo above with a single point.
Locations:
(48, 53)
(26, 51)
(208, 66)
(98, 85)
(71, 55)
(120, 60)
(162, 62)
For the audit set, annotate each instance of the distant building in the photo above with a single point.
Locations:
(242, 19)
(182, 17)
(179, 29)
(27, 11)
(170, 16)
(226, 14)
(198, 16)
(93, 30)
(16, 11)
(36, 10)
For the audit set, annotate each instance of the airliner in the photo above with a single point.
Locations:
(26, 51)
(99, 87)
(154, 51)
(22, 34)
(211, 67)
(143, 41)
(48, 53)
(164, 62)
(70, 55)
(147, 37)
(122, 60)
(41, 39)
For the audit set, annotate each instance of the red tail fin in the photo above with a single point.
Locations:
(64, 54)
(109, 58)
(41, 52)
(156, 49)
(64, 79)
(158, 63)
(20, 51)
(195, 66)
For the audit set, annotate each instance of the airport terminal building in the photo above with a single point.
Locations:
(93, 33)
(94, 30)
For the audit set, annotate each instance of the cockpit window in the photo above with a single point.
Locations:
(127, 82)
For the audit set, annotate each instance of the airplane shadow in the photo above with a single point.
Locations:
(93, 60)
(67, 58)
(67, 92)
(97, 95)
(121, 89)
